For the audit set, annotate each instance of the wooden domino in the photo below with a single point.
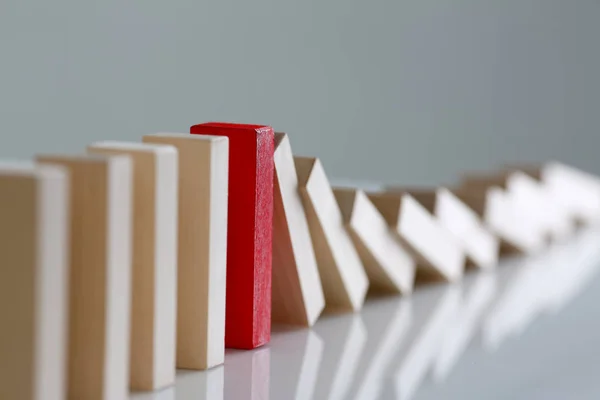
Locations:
(100, 274)
(154, 273)
(535, 198)
(495, 206)
(480, 245)
(387, 263)
(437, 252)
(249, 241)
(297, 291)
(344, 279)
(527, 198)
(202, 247)
(576, 193)
(33, 281)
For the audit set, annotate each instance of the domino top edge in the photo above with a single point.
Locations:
(231, 125)
(133, 146)
(31, 169)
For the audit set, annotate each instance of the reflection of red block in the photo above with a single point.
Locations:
(249, 231)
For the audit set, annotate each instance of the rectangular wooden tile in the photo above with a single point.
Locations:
(249, 242)
(480, 245)
(100, 275)
(526, 230)
(388, 265)
(34, 212)
(575, 191)
(202, 247)
(495, 208)
(344, 279)
(154, 290)
(297, 291)
(438, 254)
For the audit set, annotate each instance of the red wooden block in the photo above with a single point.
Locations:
(249, 231)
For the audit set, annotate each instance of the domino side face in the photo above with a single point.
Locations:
(494, 199)
(297, 290)
(34, 234)
(344, 280)
(154, 290)
(388, 265)
(250, 227)
(437, 252)
(202, 247)
(480, 246)
(100, 274)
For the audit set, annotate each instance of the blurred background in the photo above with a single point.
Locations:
(397, 91)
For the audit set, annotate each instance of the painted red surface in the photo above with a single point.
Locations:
(249, 231)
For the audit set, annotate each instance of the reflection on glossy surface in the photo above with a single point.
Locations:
(295, 361)
(387, 350)
(477, 292)
(345, 338)
(432, 317)
(387, 325)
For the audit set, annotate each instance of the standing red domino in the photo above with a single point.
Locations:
(249, 241)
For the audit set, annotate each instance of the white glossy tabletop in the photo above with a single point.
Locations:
(530, 330)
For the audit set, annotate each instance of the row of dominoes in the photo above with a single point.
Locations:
(136, 258)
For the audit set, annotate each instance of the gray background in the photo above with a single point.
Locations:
(406, 91)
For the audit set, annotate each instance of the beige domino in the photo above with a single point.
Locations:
(437, 252)
(495, 207)
(480, 245)
(537, 201)
(388, 264)
(33, 281)
(202, 249)
(344, 279)
(297, 291)
(154, 283)
(576, 193)
(527, 199)
(100, 275)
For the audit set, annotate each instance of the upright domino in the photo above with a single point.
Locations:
(249, 241)
(480, 245)
(388, 264)
(439, 255)
(297, 291)
(345, 282)
(202, 247)
(100, 275)
(154, 290)
(33, 281)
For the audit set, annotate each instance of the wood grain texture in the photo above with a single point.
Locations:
(249, 241)
(388, 265)
(33, 281)
(297, 291)
(344, 279)
(495, 208)
(100, 275)
(480, 245)
(154, 283)
(437, 253)
(202, 247)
